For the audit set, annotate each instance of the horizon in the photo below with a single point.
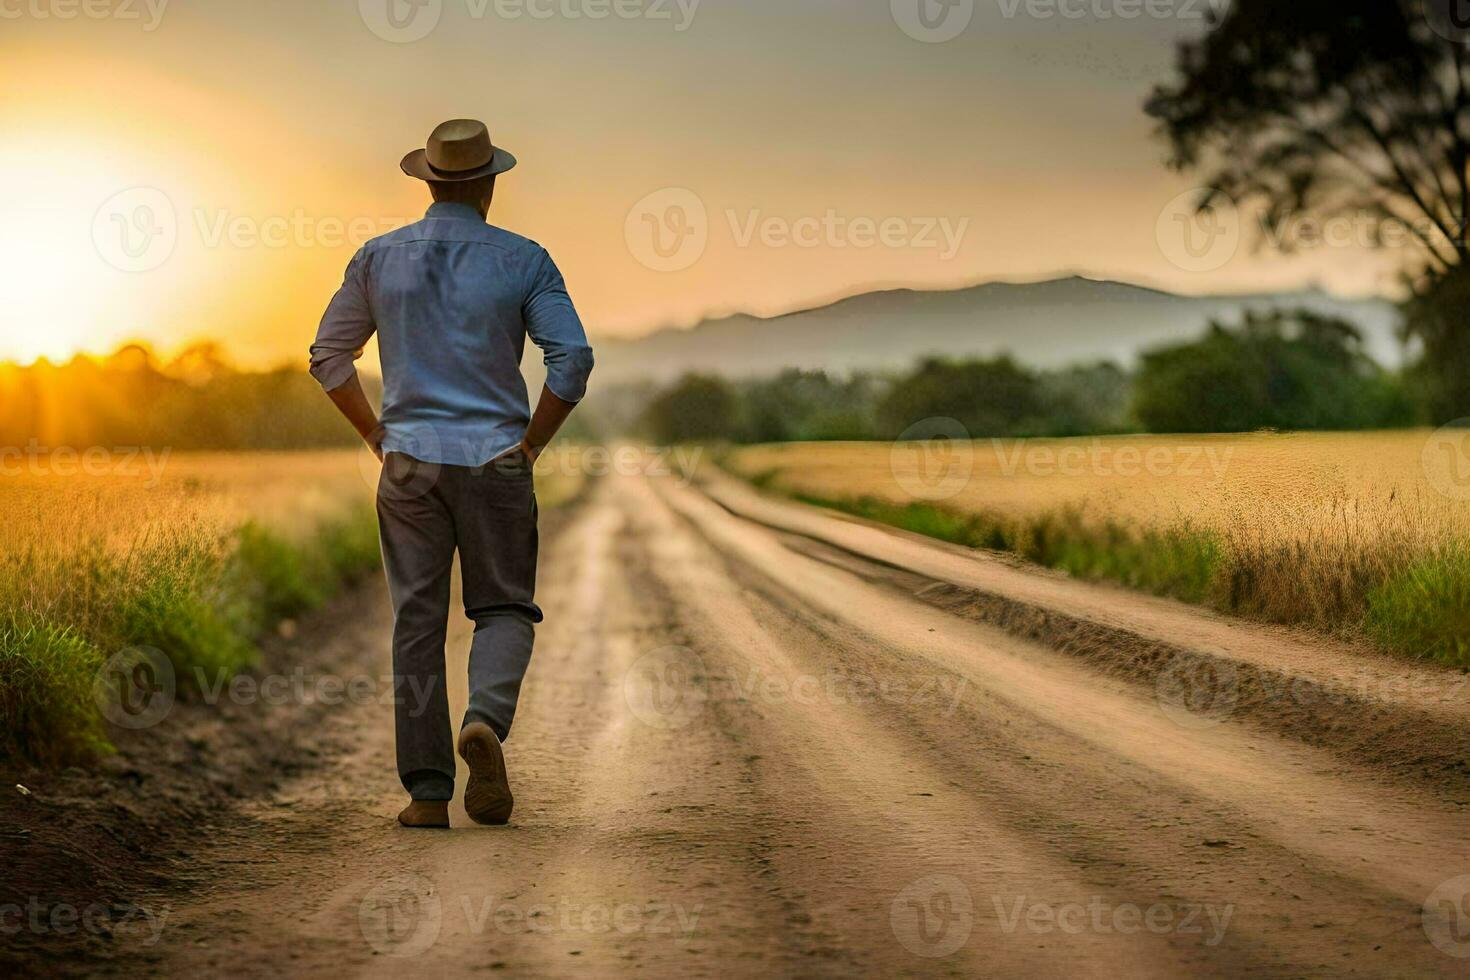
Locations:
(170, 352)
(163, 355)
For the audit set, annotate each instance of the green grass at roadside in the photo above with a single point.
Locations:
(1181, 564)
(46, 706)
(1425, 609)
(204, 602)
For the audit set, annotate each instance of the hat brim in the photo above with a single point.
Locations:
(416, 164)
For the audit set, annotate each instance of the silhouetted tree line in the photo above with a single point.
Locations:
(1284, 370)
(195, 401)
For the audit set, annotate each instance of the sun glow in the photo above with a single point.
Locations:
(58, 287)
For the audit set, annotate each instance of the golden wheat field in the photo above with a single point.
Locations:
(1290, 485)
(1346, 533)
(60, 513)
(61, 504)
(120, 497)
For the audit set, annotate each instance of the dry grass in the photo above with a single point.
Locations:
(55, 524)
(1345, 533)
(58, 525)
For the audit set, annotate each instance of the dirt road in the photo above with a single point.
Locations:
(740, 754)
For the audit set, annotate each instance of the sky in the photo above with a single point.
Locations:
(183, 170)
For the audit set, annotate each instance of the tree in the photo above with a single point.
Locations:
(1334, 109)
(1295, 370)
(807, 406)
(1085, 400)
(989, 398)
(698, 407)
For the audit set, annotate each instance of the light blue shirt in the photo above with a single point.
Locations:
(452, 300)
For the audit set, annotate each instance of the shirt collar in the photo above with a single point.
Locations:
(450, 209)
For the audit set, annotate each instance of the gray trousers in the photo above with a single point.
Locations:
(427, 511)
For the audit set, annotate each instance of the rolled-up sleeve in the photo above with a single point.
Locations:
(554, 326)
(345, 328)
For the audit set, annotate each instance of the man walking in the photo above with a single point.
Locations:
(452, 300)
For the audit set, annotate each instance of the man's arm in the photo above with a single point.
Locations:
(553, 325)
(551, 414)
(352, 402)
(345, 327)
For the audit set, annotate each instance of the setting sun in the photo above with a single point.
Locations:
(63, 294)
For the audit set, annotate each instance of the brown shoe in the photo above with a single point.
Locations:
(426, 813)
(487, 796)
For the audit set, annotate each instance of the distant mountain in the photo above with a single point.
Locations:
(1044, 324)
